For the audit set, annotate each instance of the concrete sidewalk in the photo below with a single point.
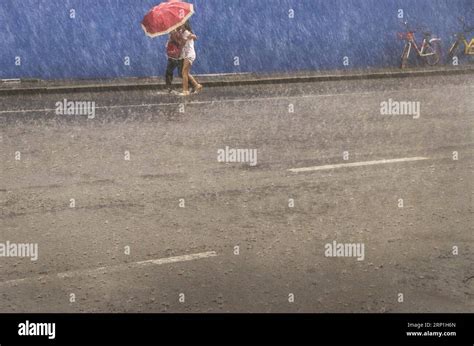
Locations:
(16, 86)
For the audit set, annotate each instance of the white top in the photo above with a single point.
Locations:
(188, 51)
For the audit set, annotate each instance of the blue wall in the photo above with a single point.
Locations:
(94, 44)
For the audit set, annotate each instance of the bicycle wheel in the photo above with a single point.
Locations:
(434, 49)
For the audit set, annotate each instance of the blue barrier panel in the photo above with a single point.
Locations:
(53, 39)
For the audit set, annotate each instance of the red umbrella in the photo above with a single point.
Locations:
(166, 17)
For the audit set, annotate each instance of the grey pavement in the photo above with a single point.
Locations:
(280, 221)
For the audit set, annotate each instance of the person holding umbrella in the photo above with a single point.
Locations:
(166, 18)
(174, 48)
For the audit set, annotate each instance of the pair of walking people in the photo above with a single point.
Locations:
(181, 55)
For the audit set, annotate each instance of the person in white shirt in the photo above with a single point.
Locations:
(188, 55)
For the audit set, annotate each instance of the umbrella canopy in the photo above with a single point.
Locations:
(166, 17)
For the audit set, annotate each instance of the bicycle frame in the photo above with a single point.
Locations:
(468, 46)
(428, 50)
(411, 42)
(461, 39)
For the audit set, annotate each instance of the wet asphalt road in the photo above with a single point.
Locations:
(84, 264)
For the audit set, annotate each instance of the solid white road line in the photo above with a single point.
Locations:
(254, 99)
(356, 164)
(114, 268)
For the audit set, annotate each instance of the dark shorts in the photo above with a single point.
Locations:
(172, 65)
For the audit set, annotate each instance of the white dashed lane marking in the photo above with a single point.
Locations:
(355, 164)
(113, 268)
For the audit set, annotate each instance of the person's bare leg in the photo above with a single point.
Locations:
(193, 81)
(186, 67)
(197, 86)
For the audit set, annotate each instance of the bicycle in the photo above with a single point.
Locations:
(429, 51)
(461, 39)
